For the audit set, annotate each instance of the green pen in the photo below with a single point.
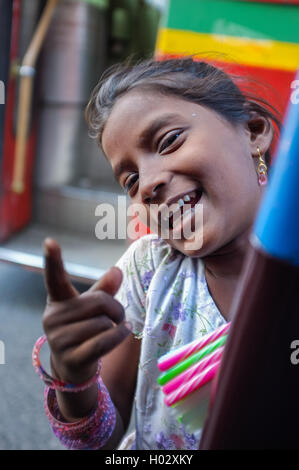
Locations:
(182, 366)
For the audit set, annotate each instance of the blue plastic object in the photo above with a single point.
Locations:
(276, 229)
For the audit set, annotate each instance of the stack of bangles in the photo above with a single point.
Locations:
(90, 432)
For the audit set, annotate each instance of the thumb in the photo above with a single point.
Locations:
(110, 282)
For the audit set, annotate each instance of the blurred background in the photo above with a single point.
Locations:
(52, 175)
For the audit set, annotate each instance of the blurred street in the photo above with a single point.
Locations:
(23, 423)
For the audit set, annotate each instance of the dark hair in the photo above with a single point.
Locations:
(192, 80)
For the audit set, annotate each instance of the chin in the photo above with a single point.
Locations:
(190, 248)
(197, 247)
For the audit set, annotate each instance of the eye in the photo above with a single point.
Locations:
(168, 140)
(130, 182)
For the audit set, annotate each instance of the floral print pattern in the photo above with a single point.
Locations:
(146, 279)
(167, 301)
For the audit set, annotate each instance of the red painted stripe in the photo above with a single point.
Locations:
(272, 84)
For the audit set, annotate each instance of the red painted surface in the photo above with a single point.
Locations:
(273, 85)
(15, 209)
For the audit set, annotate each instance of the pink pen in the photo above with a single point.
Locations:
(192, 385)
(178, 355)
(188, 374)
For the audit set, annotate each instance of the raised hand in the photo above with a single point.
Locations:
(80, 328)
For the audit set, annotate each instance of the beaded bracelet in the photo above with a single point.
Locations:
(89, 433)
(57, 384)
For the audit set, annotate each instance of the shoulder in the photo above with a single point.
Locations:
(139, 265)
(145, 263)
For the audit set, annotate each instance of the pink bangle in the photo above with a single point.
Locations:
(89, 433)
(55, 383)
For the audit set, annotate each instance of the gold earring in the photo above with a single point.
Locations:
(262, 169)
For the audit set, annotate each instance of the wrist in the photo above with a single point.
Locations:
(75, 406)
(89, 432)
(75, 375)
(53, 382)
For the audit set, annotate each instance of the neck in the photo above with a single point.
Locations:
(226, 263)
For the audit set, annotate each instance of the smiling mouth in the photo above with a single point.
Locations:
(179, 209)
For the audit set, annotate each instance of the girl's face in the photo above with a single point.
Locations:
(163, 147)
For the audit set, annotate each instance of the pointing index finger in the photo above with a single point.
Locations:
(57, 281)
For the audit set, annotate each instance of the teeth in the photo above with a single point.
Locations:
(177, 206)
(187, 198)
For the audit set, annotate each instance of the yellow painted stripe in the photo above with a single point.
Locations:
(255, 52)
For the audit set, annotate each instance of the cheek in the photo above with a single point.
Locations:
(231, 200)
(231, 178)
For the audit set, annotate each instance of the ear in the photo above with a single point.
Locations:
(261, 132)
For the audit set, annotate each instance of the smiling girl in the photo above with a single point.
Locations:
(175, 132)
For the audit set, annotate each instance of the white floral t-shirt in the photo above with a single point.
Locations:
(166, 300)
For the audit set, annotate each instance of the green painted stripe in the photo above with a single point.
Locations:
(235, 18)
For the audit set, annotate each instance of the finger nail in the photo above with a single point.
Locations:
(112, 267)
(46, 249)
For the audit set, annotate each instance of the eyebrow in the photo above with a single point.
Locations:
(146, 136)
(119, 168)
(148, 133)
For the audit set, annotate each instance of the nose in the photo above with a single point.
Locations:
(152, 184)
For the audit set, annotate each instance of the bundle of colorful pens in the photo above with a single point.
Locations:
(187, 374)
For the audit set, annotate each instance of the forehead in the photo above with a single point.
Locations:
(133, 113)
